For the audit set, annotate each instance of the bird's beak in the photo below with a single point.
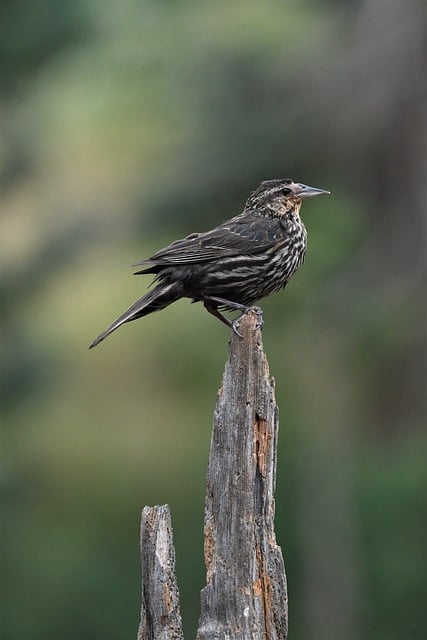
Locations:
(305, 191)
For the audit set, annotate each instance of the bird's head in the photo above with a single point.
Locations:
(279, 197)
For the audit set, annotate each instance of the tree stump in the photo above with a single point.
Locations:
(245, 597)
(160, 614)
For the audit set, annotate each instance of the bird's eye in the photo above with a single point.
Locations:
(286, 192)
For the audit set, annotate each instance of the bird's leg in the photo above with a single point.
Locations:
(230, 304)
(234, 305)
(213, 309)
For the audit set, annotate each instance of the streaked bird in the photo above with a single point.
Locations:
(236, 264)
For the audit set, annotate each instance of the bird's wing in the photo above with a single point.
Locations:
(245, 234)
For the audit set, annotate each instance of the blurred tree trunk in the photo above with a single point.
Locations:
(327, 515)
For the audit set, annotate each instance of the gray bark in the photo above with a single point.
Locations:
(245, 597)
(160, 614)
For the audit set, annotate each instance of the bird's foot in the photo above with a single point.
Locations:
(235, 326)
(260, 321)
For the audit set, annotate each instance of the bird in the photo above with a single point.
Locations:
(229, 268)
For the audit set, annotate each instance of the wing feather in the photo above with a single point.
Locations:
(241, 235)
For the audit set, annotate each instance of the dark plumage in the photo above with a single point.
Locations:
(239, 262)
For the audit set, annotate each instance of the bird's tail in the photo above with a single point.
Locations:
(159, 298)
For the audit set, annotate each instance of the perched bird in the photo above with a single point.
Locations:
(234, 265)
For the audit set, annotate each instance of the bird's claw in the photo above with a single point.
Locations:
(260, 321)
(259, 325)
(235, 326)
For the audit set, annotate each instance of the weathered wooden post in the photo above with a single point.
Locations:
(160, 614)
(245, 597)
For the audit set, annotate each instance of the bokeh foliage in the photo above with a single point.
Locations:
(125, 124)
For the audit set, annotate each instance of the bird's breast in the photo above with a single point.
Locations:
(289, 257)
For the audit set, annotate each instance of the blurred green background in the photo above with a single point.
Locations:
(125, 125)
